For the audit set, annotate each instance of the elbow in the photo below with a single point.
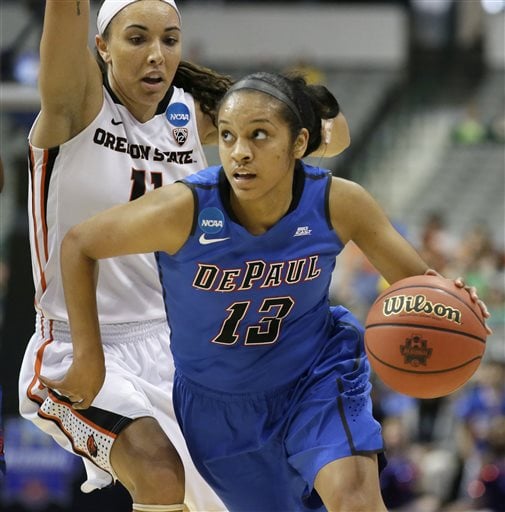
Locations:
(73, 246)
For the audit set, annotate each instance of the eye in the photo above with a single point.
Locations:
(226, 136)
(136, 40)
(259, 134)
(171, 41)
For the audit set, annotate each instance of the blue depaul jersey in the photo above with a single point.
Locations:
(250, 313)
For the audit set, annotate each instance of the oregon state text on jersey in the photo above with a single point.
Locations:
(140, 151)
(122, 159)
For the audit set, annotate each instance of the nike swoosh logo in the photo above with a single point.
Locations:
(207, 241)
(115, 123)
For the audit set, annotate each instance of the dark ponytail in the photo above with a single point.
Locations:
(316, 103)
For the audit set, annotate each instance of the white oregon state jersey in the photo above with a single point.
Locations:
(114, 160)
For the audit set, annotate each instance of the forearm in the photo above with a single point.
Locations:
(79, 274)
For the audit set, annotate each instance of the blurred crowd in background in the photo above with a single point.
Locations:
(444, 454)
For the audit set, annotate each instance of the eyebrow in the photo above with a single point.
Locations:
(260, 120)
(142, 27)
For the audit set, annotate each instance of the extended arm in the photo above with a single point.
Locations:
(357, 216)
(69, 78)
(159, 221)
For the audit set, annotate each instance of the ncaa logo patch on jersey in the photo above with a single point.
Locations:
(211, 220)
(180, 135)
(178, 114)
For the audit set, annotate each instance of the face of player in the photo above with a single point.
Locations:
(256, 147)
(142, 52)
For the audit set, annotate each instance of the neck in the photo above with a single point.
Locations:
(258, 217)
(139, 111)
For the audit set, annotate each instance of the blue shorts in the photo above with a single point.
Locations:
(261, 452)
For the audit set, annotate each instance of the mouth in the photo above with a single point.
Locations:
(152, 80)
(243, 175)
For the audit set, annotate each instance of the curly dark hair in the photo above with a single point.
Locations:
(205, 85)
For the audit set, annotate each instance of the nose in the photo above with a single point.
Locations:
(155, 53)
(241, 150)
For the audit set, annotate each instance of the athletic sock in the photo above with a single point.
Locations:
(138, 507)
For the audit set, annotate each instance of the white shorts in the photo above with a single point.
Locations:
(138, 383)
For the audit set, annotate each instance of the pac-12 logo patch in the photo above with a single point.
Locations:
(180, 135)
(178, 114)
(211, 220)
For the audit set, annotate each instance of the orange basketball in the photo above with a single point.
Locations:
(424, 336)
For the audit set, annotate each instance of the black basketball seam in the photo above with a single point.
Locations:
(433, 328)
(386, 293)
(445, 370)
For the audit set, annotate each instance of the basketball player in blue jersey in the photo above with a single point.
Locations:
(272, 386)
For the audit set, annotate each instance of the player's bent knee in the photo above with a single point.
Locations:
(147, 463)
(350, 484)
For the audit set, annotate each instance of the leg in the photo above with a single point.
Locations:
(351, 483)
(148, 465)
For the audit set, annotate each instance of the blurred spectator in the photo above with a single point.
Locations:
(399, 480)
(491, 480)
(2, 454)
(311, 73)
(497, 128)
(477, 259)
(355, 283)
(470, 130)
(481, 400)
(480, 408)
(436, 244)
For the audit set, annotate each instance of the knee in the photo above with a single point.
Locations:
(160, 470)
(350, 484)
(148, 465)
(355, 499)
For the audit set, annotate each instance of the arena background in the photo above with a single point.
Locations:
(421, 83)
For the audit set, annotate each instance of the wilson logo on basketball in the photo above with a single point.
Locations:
(419, 304)
(91, 446)
(415, 351)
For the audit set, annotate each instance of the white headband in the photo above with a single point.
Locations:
(111, 7)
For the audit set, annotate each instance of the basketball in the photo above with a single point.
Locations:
(424, 336)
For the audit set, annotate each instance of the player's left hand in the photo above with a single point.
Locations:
(472, 291)
(81, 383)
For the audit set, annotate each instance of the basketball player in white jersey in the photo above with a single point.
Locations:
(107, 133)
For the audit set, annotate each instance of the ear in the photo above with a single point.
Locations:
(301, 142)
(103, 49)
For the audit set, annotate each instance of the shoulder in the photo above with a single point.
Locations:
(346, 191)
(205, 178)
(315, 172)
(350, 206)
